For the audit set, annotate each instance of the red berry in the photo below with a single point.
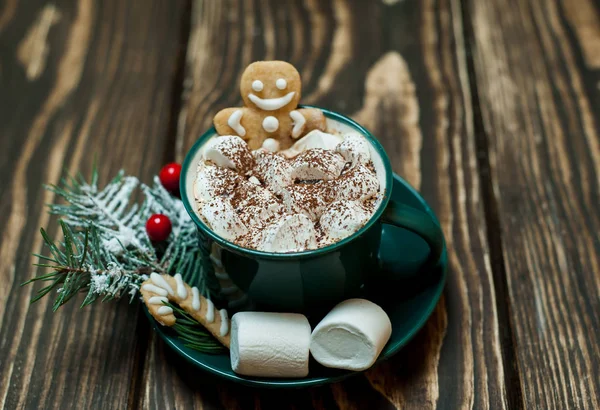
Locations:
(169, 177)
(158, 227)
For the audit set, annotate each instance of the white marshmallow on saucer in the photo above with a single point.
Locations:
(317, 164)
(355, 149)
(229, 151)
(351, 336)
(292, 233)
(314, 139)
(357, 184)
(269, 344)
(342, 218)
(222, 219)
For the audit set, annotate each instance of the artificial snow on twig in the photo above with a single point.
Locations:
(106, 253)
(114, 282)
(106, 249)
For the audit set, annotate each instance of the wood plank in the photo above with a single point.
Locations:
(77, 79)
(534, 66)
(401, 70)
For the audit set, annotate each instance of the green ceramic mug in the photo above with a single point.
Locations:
(313, 280)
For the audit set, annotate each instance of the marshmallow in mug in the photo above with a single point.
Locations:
(288, 234)
(357, 184)
(355, 149)
(229, 151)
(254, 204)
(223, 219)
(342, 218)
(317, 164)
(307, 200)
(212, 181)
(314, 139)
(273, 169)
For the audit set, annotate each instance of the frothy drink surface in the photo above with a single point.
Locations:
(318, 192)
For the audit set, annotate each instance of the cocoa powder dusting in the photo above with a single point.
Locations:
(260, 204)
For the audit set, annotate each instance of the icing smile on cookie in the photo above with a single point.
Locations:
(271, 104)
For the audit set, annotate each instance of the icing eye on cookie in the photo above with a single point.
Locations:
(281, 84)
(257, 85)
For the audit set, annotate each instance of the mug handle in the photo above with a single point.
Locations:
(420, 223)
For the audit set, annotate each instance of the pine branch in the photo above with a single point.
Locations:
(105, 251)
(74, 272)
(117, 243)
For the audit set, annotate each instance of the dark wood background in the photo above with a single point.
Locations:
(490, 108)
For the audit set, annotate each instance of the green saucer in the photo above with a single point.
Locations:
(407, 304)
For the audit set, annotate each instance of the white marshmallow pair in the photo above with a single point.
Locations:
(350, 337)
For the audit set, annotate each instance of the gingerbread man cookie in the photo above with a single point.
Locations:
(165, 288)
(271, 91)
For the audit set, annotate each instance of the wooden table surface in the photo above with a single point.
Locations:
(490, 108)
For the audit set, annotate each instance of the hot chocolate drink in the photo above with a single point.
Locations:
(313, 194)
